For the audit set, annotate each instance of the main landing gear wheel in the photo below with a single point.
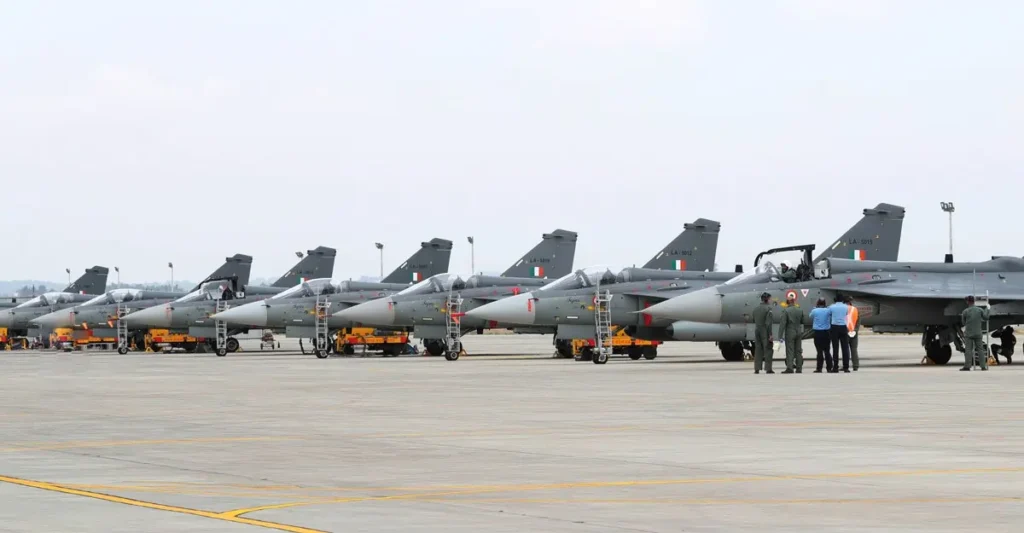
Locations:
(122, 350)
(650, 352)
(731, 351)
(635, 352)
(232, 344)
(600, 357)
(586, 354)
(563, 348)
(320, 354)
(940, 355)
(434, 347)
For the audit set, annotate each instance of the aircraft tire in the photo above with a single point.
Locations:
(586, 354)
(320, 354)
(600, 357)
(731, 351)
(650, 352)
(563, 347)
(451, 355)
(122, 350)
(434, 347)
(635, 352)
(941, 355)
(232, 344)
(222, 352)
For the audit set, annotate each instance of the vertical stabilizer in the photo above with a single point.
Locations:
(875, 237)
(693, 249)
(432, 258)
(318, 263)
(236, 267)
(94, 281)
(551, 258)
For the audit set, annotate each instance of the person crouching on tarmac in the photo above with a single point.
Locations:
(791, 329)
(821, 321)
(1008, 340)
(763, 322)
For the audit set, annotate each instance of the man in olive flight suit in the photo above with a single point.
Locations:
(791, 329)
(788, 275)
(763, 335)
(974, 319)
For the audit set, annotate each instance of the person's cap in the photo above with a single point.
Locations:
(765, 296)
(785, 264)
(970, 298)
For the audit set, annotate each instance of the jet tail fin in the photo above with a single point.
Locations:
(236, 268)
(551, 258)
(693, 249)
(94, 281)
(318, 263)
(432, 258)
(876, 236)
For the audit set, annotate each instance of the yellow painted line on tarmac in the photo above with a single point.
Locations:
(70, 445)
(227, 517)
(470, 490)
(821, 501)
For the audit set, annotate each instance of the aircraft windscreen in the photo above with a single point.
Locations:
(211, 290)
(47, 299)
(312, 287)
(436, 283)
(583, 278)
(764, 272)
(115, 296)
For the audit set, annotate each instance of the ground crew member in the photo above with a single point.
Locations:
(1008, 340)
(974, 319)
(840, 335)
(763, 321)
(788, 274)
(791, 329)
(853, 328)
(821, 322)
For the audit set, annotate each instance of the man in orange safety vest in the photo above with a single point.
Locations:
(853, 325)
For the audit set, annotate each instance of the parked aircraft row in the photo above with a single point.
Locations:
(676, 295)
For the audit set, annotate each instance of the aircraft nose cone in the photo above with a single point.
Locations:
(251, 314)
(158, 316)
(64, 318)
(519, 309)
(704, 305)
(380, 312)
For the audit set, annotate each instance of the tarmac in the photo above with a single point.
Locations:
(514, 442)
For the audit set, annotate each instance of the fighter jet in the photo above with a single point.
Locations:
(572, 308)
(904, 297)
(18, 319)
(104, 310)
(295, 310)
(423, 307)
(191, 313)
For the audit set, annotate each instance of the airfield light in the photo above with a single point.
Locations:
(298, 254)
(380, 246)
(948, 208)
(170, 265)
(68, 270)
(472, 255)
(118, 270)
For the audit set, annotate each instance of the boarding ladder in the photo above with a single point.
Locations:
(602, 326)
(453, 325)
(121, 327)
(220, 330)
(321, 331)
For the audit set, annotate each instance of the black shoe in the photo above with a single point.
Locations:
(965, 369)
(1009, 360)
(818, 371)
(846, 370)
(856, 368)
(757, 371)
(770, 372)
(787, 372)
(984, 369)
(799, 371)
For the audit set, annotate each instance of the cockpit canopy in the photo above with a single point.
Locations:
(763, 273)
(581, 279)
(115, 296)
(211, 290)
(48, 299)
(313, 287)
(436, 283)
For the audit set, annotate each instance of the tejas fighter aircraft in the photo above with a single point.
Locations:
(876, 235)
(18, 319)
(423, 306)
(191, 313)
(891, 296)
(294, 309)
(566, 306)
(104, 309)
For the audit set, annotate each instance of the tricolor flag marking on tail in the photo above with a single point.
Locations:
(859, 255)
(680, 264)
(538, 272)
(416, 276)
(303, 279)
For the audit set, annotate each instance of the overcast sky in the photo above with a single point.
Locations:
(137, 133)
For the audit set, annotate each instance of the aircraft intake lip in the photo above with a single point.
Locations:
(514, 310)
(704, 305)
(250, 314)
(379, 312)
(157, 316)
